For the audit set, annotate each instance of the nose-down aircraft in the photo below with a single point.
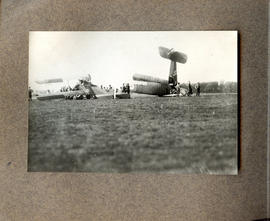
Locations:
(83, 89)
(162, 87)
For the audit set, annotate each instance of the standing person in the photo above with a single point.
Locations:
(128, 88)
(198, 89)
(189, 89)
(30, 91)
(114, 93)
(124, 88)
(178, 88)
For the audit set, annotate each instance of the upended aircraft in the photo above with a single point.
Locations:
(162, 87)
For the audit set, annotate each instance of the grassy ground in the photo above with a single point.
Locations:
(153, 134)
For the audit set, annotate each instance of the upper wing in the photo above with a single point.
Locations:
(49, 81)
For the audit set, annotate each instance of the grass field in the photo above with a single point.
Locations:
(152, 134)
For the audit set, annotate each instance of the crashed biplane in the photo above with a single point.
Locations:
(162, 87)
(83, 89)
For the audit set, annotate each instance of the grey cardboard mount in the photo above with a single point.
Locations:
(90, 196)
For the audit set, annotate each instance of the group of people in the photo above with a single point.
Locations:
(177, 89)
(125, 88)
(65, 89)
(107, 89)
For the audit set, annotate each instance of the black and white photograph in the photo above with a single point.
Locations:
(133, 102)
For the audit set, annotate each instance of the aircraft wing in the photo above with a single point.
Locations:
(60, 95)
(172, 55)
(49, 81)
(110, 96)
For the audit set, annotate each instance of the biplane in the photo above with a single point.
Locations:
(84, 89)
(162, 87)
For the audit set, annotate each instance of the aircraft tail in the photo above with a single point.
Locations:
(174, 56)
(173, 74)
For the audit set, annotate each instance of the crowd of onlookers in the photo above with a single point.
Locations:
(107, 89)
(66, 88)
(124, 89)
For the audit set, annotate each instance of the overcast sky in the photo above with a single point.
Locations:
(113, 57)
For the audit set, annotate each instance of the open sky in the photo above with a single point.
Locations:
(113, 57)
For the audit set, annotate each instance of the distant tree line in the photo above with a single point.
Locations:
(215, 87)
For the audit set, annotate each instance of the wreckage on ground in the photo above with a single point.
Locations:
(148, 85)
(84, 89)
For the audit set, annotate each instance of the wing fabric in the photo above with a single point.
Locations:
(49, 81)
